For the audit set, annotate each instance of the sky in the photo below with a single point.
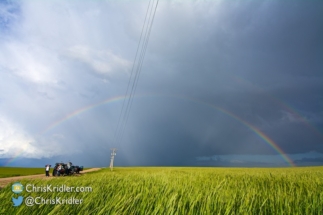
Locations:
(223, 83)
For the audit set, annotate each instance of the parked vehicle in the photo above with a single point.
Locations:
(66, 169)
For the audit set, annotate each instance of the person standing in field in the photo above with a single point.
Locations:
(59, 170)
(47, 170)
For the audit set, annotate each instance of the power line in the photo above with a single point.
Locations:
(141, 62)
(132, 71)
(124, 114)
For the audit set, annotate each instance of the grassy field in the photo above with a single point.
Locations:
(19, 171)
(16, 171)
(166, 190)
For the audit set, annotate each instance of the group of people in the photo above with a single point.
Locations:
(61, 168)
(47, 168)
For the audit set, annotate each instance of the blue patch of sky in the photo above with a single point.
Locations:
(9, 14)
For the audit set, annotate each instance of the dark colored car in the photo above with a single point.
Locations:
(66, 169)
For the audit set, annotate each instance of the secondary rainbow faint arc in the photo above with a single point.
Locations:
(283, 104)
(261, 134)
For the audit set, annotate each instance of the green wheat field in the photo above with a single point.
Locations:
(18, 171)
(178, 190)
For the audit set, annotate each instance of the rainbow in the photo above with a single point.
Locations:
(66, 118)
(259, 133)
(81, 110)
(19, 152)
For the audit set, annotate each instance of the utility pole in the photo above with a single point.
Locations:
(113, 153)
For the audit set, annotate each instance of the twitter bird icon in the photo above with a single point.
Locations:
(18, 201)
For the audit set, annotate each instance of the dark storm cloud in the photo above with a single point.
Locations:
(260, 61)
